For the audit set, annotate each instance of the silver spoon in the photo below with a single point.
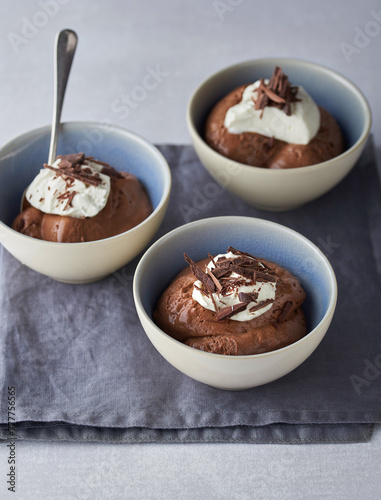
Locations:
(66, 43)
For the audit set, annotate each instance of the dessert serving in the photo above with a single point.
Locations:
(111, 215)
(80, 199)
(233, 304)
(273, 124)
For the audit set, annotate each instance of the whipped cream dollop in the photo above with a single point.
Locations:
(60, 195)
(229, 295)
(300, 127)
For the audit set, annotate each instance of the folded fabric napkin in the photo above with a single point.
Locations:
(84, 370)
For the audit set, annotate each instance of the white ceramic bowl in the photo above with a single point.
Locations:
(278, 190)
(164, 260)
(22, 158)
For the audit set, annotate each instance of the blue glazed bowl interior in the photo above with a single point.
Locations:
(22, 158)
(164, 260)
(328, 89)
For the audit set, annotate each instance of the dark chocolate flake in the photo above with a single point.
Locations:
(239, 252)
(244, 260)
(221, 272)
(215, 280)
(212, 259)
(67, 196)
(260, 305)
(72, 159)
(266, 277)
(247, 297)
(243, 271)
(228, 311)
(200, 275)
(224, 264)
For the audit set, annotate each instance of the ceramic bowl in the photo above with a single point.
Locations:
(164, 260)
(278, 190)
(22, 158)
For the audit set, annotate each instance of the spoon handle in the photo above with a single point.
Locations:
(66, 43)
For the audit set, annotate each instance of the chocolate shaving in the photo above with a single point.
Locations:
(200, 275)
(228, 311)
(243, 260)
(220, 272)
(212, 259)
(224, 264)
(215, 280)
(247, 297)
(67, 164)
(239, 252)
(272, 95)
(260, 305)
(73, 159)
(266, 277)
(67, 196)
(243, 271)
(94, 160)
(277, 93)
(92, 180)
(286, 308)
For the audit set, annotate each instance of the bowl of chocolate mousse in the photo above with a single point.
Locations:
(278, 132)
(91, 211)
(235, 302)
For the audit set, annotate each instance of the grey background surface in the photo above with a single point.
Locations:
(119, 44)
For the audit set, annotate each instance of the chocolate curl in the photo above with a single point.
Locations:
(277, 93)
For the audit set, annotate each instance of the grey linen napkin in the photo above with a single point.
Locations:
(84, 370)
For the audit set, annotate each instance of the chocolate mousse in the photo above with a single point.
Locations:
(81, 199)
(233, 304)
(258, 125)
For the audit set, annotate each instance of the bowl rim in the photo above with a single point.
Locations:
(296, 62)
(161, 242)
(104, 126)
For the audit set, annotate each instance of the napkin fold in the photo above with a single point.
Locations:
(83, 369)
